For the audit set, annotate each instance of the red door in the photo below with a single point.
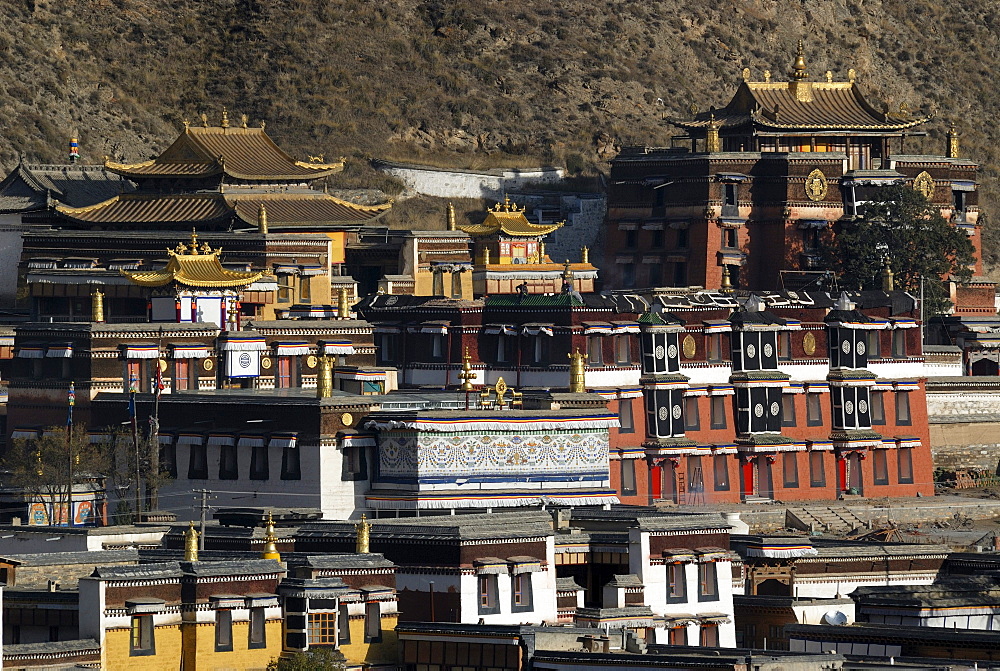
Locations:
(841, 474)
(746, 478)
(656, 480)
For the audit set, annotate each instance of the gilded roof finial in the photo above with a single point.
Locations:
(888, 282)
(363, 540)
(204, 120)
(191, 544)
(746, 74)
(270, 550)
(243, 120)
(451, 217)
(953, 144)
(585, 254)
(727, 284)
(767, 76)
(225, 117)
(194, 242)
(467, 375)
(506, 203)
(567, 273)
(799, 67)
(852, 75)
(262, 220)
(829, 76)
(263, 124)
(187, 124)
(577, 375)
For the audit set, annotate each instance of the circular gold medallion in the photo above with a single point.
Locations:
(924, 185)
(265, 363)
(809, 343)
(163, 365)
(311, 361)
(816, 185)
(689, 347)
(347, 419)
(207, 364)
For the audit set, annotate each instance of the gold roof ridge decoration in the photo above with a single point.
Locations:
(508, 219)
(801, 104)
(194, 266)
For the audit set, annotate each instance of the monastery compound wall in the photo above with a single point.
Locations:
(964, 417)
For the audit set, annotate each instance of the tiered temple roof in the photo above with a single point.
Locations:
(193, 266)
(508, 219)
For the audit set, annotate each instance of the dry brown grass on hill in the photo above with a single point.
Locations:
(473, 84)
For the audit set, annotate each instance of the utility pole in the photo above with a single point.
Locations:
(205, 494)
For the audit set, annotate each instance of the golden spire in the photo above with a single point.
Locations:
(585, 255)
(451, 217)
(486, 255)
(193, 247)
(262, 219)
(888, 282)
(952, 143)
(204, 120)
(727, 285)
(191, 544)
(364, 529)
(577, 378)
(467, 375)
(97, 306)
(187, 124)
(712, 141)
(225, 117)
(324, 378)
(567, 273)
(541, 251)
(343, 304)
(799, 66)
(243, 120)
(270, 551)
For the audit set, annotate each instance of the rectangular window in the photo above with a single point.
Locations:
(488, 595)
(257, 634)
(708, 582)
(305, 292)
(899, 344)
(657, 239)
(691, 420)
(655, 274)
(290, 467)
(680, 274)
(874, 345)
(521, 593)
(198, 463)
(322, 629)
(720, 468)
(709, 636)
(718, 408)
(817, 471)
(676, 586)
(504, 344)
(623, 353)
(628, 275)
(142, 639)
(729, 195)
(387, 348)
(880, 468)
(437, 346)
(182, 369)
(228, 463)
(343, 625)
(714, 348)
(814, 410)
(631, 238)
(355, 464)
(682, 238)
(790, 469)
(286, 286)
(696, 477)
(286, 371)
(730, 238)
(223, 631)
(784, 346)
(259, 466)
(628, 476)
(625, 416)
(540, 349)
(904, 455)
(903, 408)
(878, 407)
(677, 636)
(373, 622)
(595, 350)
(788, 410)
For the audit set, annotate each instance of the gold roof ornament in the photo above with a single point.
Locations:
(204, 120)
(270, 549)
(767, 76)
(746, 74)
(362, 543)
(97, 306)
(243, 120)
(495, 397)
(923, 183)
(451, 217)
(508, 219)
(713, 143)
(343, 304)
(799, 66)
(829, 76)
(186, 122)
(324, 377)
(262, 219)
(225, 118)
(953, 142)
(467, 375)
(585, 254)
(852, 74)
(727, 283)
(192, 266)
(191, 543)
(577, 374)
(888, 282)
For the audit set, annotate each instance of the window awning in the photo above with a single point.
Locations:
(240, 342)
(190, 351)
(521, 564)
(166, 437)
(357, 374)
(537, 329)
(144, 604)
(625, 327)
(261, 600)
(907, 386)
(963, 185)
(908, 441)
(7, 341)
(721, 390)
(226, 601)
(597, 328)
(340, 347)
(25, 433)
(817, 387)
(251, 440)
(141, 351)
(904, 323)
(628, 226)
(285, 269)
(291, 348)
(357, 440)
(812, 224)
(31, 352)
(652, 226)
(310, 269)
(227, 439)
(490, 566)
(499, 329)
(820, 445)
(283, 440)
(60, 351)
(432, 328)
(713, 326)
(793, 388)
(387, 328)
(678, 555)
(184, 438)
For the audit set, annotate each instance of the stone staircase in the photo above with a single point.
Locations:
(838, 520)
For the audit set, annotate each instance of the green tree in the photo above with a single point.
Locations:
(317, 659)
(901, 225)
(46, 468)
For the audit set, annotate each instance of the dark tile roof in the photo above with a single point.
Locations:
(141, 572)
(246, 567)
(27, 187)
(94, 557)
(347, 561)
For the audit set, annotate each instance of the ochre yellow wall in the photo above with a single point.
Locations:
(168, 650)
(358, 652)
(200, 654)
(423, 284)
(336, 246)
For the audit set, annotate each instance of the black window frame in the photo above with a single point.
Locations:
(147, 628)
(223, 630)
(790, 470)
(903, 407)
(717, 411)
(814, 409)
(816, 459)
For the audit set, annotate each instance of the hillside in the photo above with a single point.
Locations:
(467, 83)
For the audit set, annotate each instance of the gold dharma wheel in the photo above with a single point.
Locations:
(346, 419)
(311, 361)
(809, 343)
(265, 362)
(207, 364)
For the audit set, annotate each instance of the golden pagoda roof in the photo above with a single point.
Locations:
(291, 209)
(802, 105)
(193, 266)
(508, 219)
(237, 152)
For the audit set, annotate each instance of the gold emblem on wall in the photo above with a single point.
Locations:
(265, 363)
(809, 343)
(816, 185)
(924, 185)
(163, 365)
(689, 347)
(347, 419)
(207, 364)
(311, 361)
